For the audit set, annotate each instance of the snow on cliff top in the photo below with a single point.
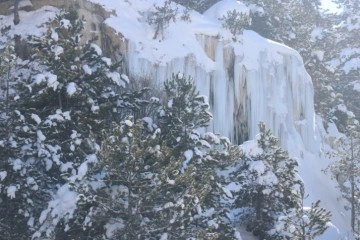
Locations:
(180, 37)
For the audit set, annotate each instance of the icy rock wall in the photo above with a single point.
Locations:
(248, 82)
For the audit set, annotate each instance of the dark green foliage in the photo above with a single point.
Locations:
(287, 21)
(161, 17)
(267, 183)
(75, 95)
(303, 222)
(346, 53)
(271, 196)
(236, 22)
(15, 187)
(155, 197)
(153, 176)
(160, 179)
(54, 110)
(186, 110)
(346, 171)
(197, 5)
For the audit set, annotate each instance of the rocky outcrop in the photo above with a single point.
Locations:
(92, 13)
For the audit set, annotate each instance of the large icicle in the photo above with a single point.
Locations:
(269, 84)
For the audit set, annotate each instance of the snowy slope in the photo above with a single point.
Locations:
(247, 81)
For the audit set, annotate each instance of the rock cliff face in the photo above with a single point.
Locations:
(247, 81)
(93, 13)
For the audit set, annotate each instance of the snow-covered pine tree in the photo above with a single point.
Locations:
(345, 61)
(349, 23)
(159, 176)
(236, 22)
(61, 101)
(186, 110)
(158, 196)
(161, 17)
(302, 222)
(290, 22)
(267, 181)
(16, 184)
(346, 170)
(182, 121)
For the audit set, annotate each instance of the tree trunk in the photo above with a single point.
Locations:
(16, 12)
(352, 203)
(259, 206)
(352, 183)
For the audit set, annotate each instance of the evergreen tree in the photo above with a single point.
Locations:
(169, 196)
(267, 181)
(236, 22)
(186, 110)
(182, 121)
(290, 22)
(158, 177)
(197, 5)
(346, 171)
(303, 222)
(345, 59)
(161, 17)
(55, 107)
(16, 184)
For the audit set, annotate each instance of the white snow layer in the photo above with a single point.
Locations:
(71, 88)
(62, 207)
(11, 190)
